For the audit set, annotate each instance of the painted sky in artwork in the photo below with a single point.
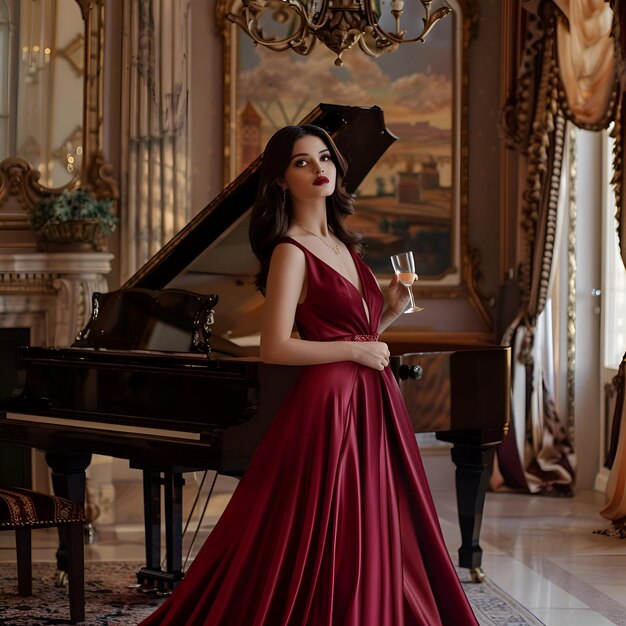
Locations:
(412, 84)
(414, 87)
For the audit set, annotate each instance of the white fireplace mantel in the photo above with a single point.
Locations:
(50, 293)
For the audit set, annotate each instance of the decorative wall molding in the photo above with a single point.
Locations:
(19, 179)
(50, 293)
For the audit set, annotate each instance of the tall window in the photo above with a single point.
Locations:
(5, 64)
(613, 318)
(614, 296)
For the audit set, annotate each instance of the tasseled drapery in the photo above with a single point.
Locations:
(565, 75)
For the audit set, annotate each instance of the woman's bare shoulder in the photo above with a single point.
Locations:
(287, 268)
(291, 242)
(287, 251)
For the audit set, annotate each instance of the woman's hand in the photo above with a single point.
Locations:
(397, 296)
(374, 354)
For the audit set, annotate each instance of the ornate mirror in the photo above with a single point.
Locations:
(51, 54)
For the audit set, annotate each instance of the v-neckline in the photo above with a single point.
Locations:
(365, 305)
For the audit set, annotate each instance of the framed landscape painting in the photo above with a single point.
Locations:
(411, 199)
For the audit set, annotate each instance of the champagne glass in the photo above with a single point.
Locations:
(404, 267)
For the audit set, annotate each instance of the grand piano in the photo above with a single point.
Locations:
(166, 373)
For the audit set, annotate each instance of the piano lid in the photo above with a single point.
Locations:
(212, 253)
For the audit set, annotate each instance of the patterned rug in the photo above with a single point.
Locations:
(110, 601)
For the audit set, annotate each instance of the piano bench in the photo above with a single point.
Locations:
(22, 510)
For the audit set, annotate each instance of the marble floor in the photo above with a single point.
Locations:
(539, 550)
(542, 551)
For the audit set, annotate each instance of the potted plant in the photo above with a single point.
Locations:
(73, 220)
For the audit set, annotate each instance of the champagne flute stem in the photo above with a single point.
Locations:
(411, 297)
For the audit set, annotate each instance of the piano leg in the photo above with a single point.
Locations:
(173, 487)
(152, 520)
(152, 577)
(68, 481)
(473, 471)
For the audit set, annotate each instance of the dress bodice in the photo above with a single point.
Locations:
(333, 307)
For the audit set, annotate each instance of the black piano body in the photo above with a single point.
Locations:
(155, 378)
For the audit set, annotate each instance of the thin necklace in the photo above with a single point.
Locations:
(334, 248)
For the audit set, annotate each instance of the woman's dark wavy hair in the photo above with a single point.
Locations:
(271, 216)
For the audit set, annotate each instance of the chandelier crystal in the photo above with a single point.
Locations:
(338, 24)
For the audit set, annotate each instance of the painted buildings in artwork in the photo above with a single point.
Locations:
(430, 174)
(412, 184)
(409, 187)
(250, 140)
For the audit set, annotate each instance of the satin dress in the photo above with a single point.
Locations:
(333, 522)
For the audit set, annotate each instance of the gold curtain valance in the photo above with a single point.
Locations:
(586, 68)
(586, 61)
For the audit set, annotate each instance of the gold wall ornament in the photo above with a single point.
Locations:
(338, 24)
(19, 179)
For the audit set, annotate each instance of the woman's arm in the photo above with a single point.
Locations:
(284, 285)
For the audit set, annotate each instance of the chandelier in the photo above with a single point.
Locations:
(338, 24)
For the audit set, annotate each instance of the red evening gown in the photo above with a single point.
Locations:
(333, 522)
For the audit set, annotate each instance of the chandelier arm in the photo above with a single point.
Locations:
(429, 23)
(303, 47)
(324, 13)
(377, 52)
(372, 18)
(296, 40)
(246, 22)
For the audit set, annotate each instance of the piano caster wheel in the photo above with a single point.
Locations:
(160, 593)
(60, 578)
(89, 531)
(477, 574)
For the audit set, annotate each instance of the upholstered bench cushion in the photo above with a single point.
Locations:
(23, 507)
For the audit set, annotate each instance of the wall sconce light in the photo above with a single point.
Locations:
(338, 24)
(35, 58)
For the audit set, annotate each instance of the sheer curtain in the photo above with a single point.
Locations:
(155, 187)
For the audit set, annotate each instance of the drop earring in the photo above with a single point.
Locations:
(284, 197)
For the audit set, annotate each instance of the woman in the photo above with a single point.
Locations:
(333, 523)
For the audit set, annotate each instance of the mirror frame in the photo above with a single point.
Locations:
(467, 289)
(19, 179)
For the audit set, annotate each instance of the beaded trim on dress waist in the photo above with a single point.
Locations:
(358, 338)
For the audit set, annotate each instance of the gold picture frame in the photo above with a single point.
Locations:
(285, 76)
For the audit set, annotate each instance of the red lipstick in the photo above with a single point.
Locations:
(321, 180)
